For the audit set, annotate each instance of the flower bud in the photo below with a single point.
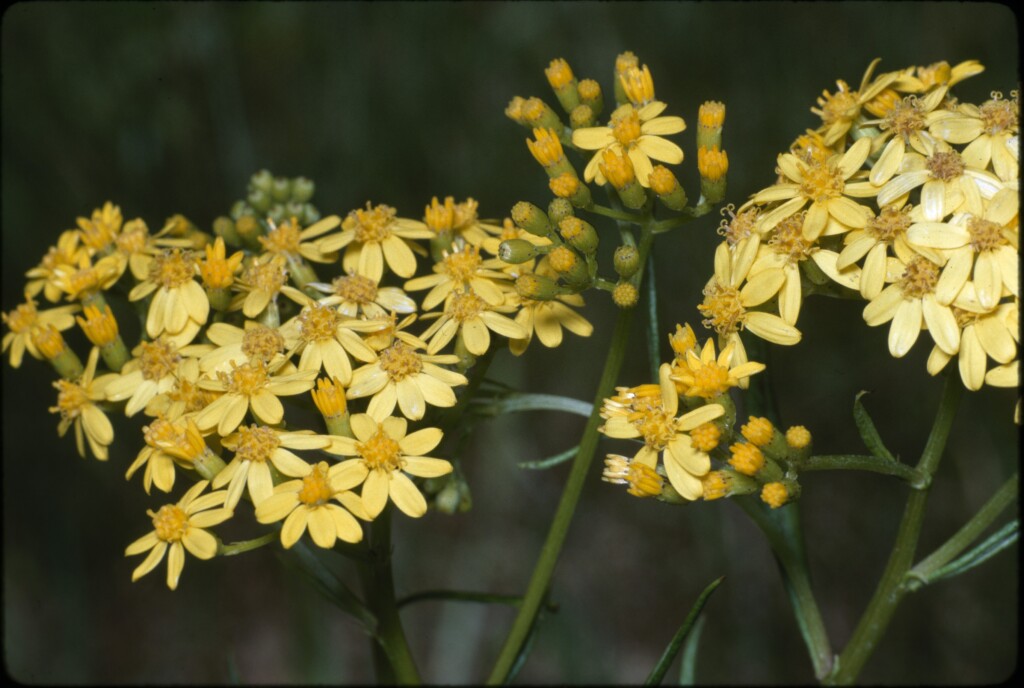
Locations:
(260, 200)
(558, 210)
(547, 150)
(248, 228)
(713, 165)
(537, 114)
(637, 85)
(625, 295)
(582, 116)
(569, 186)
(619, 171)
(516, 251)
(622, 63)
(537, 287)
(281, 189)
(309, 214)
(579, 234)
(563, 83)
(798, 441)
(590, 95)
(710, 118)
(530, 218)
(779, 493)
(240, 208)
(626, 261)
(262, 180)
(667, 187)
(569, 266)
(302, 189)
(224, 227)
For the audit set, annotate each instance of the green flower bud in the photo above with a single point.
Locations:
(580, 234)
(302, 189)
(516, 251)
(581, 116)
(225, 227)
(309, 214)
(626, 261)
(262, 180)
(276, 213)
(559, 209)
(259, 200)
(530, 218)
(293, 209)
(537, 287)
(281, 189)
(240, 208)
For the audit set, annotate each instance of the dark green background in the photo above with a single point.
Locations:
(166, 108)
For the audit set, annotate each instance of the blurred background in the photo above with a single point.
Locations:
(167, 108)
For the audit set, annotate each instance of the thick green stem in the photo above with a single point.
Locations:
(545, 566)
(890, 590)
(620, 215)
(862, 462)
(380, 596)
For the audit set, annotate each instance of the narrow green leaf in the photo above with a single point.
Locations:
(531, 402)
(465, 596)
(524, 651)
(993, 545)
(688, 664)
(653, 330)
(673, 648)
(550, 461)
(868, 432)
(330, 586)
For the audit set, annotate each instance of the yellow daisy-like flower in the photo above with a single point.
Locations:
(460, 220)
(911, 303)
(781, 258)
(99, 231)
(991, 130)
(82, 280)
(402, 375)
(326, 338)
(906, 123)
(706, 377)
(26, 318)
(663, 433)
(152, 371)
(76, 404)
(385, 455)
(361, 297)
(257, 446)
(547, 319)
(467, 314)
(982, 336)
(936, 74)
(238, 345)
(250, 386)
(66, 253)
(287, 240)
(261, 283)
(179, 527)
(167, 442)
(636, 133)
(983, 247)
(839, 110)
(218, 269)
(306, 503)
(825, 185)
(373, 237)
(463, 269)
(180, 305)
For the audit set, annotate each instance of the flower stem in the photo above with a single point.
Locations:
(859, 462)
(890, 590)
(397, 664)
(233, 548)
(545, 566)
(620, 215)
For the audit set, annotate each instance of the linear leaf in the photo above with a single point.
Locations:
(658, 672)
(993, 545)
(688, 664)
(868, 432)
(329, 585)
(550, 461)
(532, 402)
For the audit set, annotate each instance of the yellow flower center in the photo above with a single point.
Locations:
(746, 458)
(316, 489)
(789, 239)
(934, 74)
(626, 129)
(465, 214)
(70, 399)
(170, 523)
(438, 216)
(460, 266)
(262, 342)
(381, 452)
(256, 443)
(246, 379)
(562, 259)
(22, 318)
(919, 278)
(811, 148)
(722, 308)
(998, 115)
(372, 224)
(267, 277)
(798, 437)
(400, 361)
(945, 165)
(134, 237)
(158, 359)
(172, 269)
(905, 118)
(657, 426)
(758, 430)
(161, 433)
(774, 495)
(356, 288)
(191, 396)
(838, 106)
(716, 485)
(465, 306)
(705, 437)
(822, 181)
(890, 223)
(738, 226)
(284, 238)
(985, 235)
(318, 323)
(329, 397)
(709, 380)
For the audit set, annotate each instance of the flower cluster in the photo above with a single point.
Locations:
(904, 197)
(234, 339)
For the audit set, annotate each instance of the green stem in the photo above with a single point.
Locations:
(380, 596)
(246, 545)
(545, 566)
(963, 538)
(653, 333)
(620, 215)
(782, 529)
(861, 462)
(890, 590)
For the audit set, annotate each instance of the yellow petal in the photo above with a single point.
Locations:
(294, 526)
(407, 496)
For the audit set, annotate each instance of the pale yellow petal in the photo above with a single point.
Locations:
(407, 496)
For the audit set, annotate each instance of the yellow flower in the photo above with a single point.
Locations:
(982, 336)
(166, 442)
(307, 503)
(76, 405)
(462, 269)
(705, 377)
(326, 338)
(991, 130)
(261, 283)
(256, 446)
(906, 123)
(983, 247)
(218, 270)
(287, 240)
(65, 253)
(26, 318)
(84, 279)
(666, 434)
(780, 260)
(470, 316)
(636, 133)
(250, 386)
(460, 220)
(838, 111)
(179, 527)
(180, 305)
(374, 236)
(385, 455)
(407, 377)
(153, 369)
(237, 345)
(361, 297)
(100, 231)
(643, 480)
(936, 74)
(822, 184)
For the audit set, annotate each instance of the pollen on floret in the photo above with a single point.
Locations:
(758, 430)
(380, 452)
(562, 259)
(722, 308)
(262, 342)
(624, 61)
(546, 148)
(172, 269)
(890, 223)
(318, 322)
(329, 397)
(99, 326)
(706, 437)
(788, 239)
(400, 361)
(626, 127)
(316, 489)
(712, 164)
(464, 306)
(945, 165)
(985, 235)
(246, 378)
(625, 295)
(905, 117)
(736, 227)
(746, 458)
(558, 73)
(372, 224)
(716, 485)
(282, 238)
(268, 276)
(170, 522)
(919, 278)
(440, 217)
(356, 288)
(49, 341)
(662, 181)
(798, 437)
(998, 115)
(774, 495)
(461, 265)
(564, 185)
(618, 169)
(256, 443)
